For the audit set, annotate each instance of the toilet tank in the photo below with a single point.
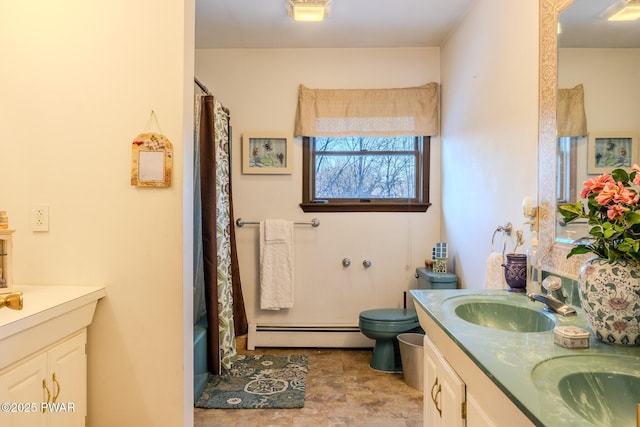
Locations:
(427, 279)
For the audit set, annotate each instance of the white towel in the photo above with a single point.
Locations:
(276, 264)
(494, 276)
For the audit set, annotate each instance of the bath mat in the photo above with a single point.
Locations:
(258, 381)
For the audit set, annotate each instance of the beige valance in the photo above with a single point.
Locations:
(409, 111)
(571, 118)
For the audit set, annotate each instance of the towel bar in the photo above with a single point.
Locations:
(315, 222)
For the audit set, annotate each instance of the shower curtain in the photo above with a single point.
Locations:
(217, 288)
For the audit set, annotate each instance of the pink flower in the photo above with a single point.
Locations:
(595, 185)
(636, 169)
(618, 303)
(607, 193)
(616, 211)
(616, 193)
(620, 325)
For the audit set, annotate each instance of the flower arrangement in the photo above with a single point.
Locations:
(613, 213)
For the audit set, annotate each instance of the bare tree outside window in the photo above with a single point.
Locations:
(375, 170)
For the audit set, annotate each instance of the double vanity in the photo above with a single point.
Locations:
(491, 360)
(43, 361)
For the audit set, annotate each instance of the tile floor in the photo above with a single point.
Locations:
(342, 390)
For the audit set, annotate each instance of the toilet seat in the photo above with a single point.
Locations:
(389, 319)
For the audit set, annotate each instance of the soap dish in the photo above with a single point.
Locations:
(570, 337)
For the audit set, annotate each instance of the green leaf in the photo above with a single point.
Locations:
(624, 247)
(570, 212)
(581, 249)
(620, 175)
(633, 217)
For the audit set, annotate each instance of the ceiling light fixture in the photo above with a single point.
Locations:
(626, 10)
(308, 10)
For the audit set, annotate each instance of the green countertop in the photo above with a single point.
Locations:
(526, 366)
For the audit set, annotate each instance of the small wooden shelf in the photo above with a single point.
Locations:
(6, 252)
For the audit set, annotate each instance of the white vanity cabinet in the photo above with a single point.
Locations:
(463, 393)
(444, 391)
(49, 388)
(43, 362)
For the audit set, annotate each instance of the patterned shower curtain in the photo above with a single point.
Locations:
(219, 272)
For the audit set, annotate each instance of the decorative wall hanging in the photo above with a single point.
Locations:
(266, 153)
(609, 150)
(151, 159)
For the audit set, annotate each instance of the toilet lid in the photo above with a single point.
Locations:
(390, 315)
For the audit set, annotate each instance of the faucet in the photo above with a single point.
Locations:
(12, 301)
(554, 300)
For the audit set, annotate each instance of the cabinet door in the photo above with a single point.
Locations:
(476, 417)
(452, 396)
(21, 389)
(430, 412)
(444, 392)
(68, 379)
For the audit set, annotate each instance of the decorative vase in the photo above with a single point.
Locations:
(610, 296)
(515, 272)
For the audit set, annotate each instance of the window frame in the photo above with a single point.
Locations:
(419, 204)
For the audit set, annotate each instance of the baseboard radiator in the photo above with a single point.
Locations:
(306, 336)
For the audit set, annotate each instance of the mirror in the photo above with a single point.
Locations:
(602, 58)
(553, 254)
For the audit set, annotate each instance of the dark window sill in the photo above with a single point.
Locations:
(360, 207)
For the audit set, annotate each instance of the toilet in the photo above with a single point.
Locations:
(384, 325)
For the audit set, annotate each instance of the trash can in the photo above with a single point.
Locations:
(411, 354)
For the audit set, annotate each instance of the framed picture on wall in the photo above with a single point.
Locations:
(267, 153)
(611, 150)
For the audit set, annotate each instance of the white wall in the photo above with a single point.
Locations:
(79, 81)
(612, 102)
(260, 87)
(610, 79)
(490, 134)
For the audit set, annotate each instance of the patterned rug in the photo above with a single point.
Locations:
(258, 381)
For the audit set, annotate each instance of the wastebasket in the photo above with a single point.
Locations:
(411, 354)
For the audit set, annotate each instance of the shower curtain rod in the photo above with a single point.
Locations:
(204, 89)
(201, 86)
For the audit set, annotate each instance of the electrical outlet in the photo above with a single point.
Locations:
(39, 218)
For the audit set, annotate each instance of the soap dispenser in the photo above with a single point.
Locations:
(533, 266)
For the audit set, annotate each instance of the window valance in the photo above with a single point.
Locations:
(571, 118)
(409, 111)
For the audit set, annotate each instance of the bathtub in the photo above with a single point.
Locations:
(200, 371)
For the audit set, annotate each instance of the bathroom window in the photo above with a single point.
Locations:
(365, 174)
(566, 165)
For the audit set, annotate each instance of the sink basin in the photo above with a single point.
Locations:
(505, 317)
(603, 390)
(604, 398)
